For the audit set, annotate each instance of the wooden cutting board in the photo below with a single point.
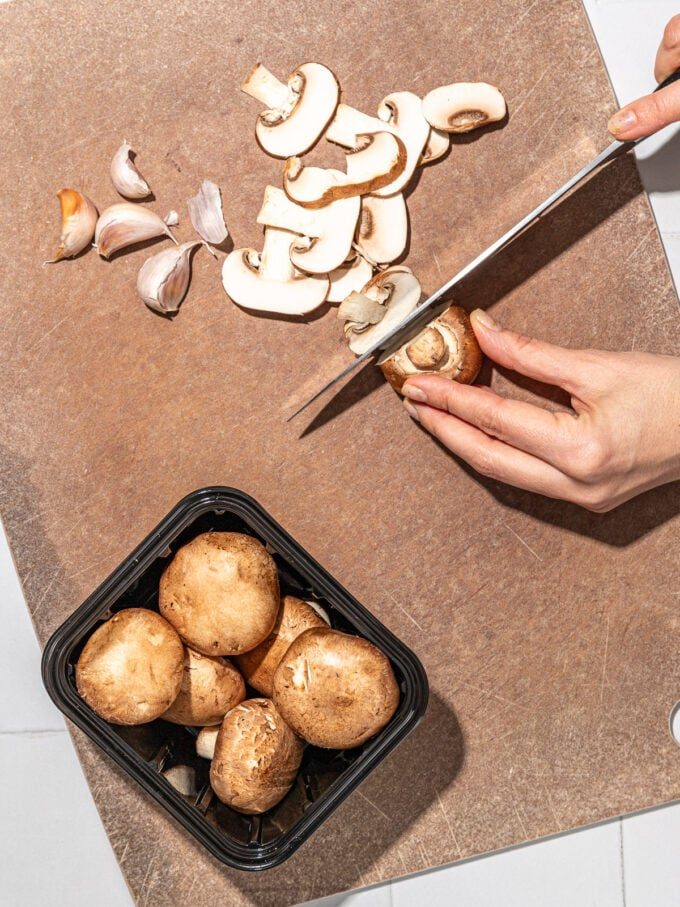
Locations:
(549, 634)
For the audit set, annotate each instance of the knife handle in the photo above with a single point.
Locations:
(673, 77)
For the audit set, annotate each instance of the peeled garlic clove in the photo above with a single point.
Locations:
(163, 279)
(205, 211)
(124, 224)
(78, 222)
(125, 177)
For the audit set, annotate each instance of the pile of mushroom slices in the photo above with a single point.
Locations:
(333, 236)
(163, 279)
(219, 598)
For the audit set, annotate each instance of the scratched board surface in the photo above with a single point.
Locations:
(549, 634)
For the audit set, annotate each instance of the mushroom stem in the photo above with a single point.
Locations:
(263, 85)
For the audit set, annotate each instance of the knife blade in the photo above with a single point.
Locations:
(435, 304)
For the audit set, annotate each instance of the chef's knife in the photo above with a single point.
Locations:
(435, 304)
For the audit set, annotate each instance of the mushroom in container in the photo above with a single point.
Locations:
(221, 593)
(130, 670)
(335, 690)
(446, 347)
(211, 687)
(256, 757)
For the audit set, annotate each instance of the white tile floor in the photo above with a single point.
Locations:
(65, 857)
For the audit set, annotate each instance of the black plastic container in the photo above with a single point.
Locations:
(326, 777)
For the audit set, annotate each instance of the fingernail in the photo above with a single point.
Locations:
(622, 121)
(486, 321)
(411, 410)
(414, 393)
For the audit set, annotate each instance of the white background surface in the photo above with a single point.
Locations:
(54, 850)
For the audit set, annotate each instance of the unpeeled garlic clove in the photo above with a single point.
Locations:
(163, 279)
(78, 223)
(124, 224)
(205, 211)
(125, 177)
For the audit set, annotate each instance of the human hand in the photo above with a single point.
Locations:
(651, 113)
(622, 438)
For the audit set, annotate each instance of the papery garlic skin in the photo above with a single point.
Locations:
(171, 218)
(126, 178)
(163, 279)
(124, 224)
(78, 223)
(205, 211)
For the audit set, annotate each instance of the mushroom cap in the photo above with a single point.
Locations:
(258, 665)
(256, 757)
(382, 232)
(463, 106)
(221, 593)
(131, 667)
(404, 297)
(301, 127)
(211, 686)
(335, 690)
(446, 347)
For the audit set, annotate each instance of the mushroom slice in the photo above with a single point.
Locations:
(361, 309)
(446, 347)
(297, 113)
(399, 291)
(328, 231)
(378, 160)
(383, 228)
(463, 106)
(436, 146)
(399, 113)
(268, 282)
(352, 275)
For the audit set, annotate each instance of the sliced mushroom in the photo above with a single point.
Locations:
(398, 290)
(268, 282)
(351, 276)
(379, 158)
(437, 145)
(463, 106)
(298, 112)
(383, 228)
(327, 232)
(446, 347)
(401, 114)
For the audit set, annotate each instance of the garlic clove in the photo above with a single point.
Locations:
(126, 178)
(171, 218)
(163, 279)
(124, 224)
(78, 222)
(205, 211)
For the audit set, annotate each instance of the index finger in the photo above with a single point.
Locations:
(668, 55)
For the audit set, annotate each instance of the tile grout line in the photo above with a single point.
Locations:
(623, 863)
(34, 732)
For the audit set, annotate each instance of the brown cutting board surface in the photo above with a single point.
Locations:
(549, 634)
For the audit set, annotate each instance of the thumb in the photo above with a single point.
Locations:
(647, 115)
(526, 355)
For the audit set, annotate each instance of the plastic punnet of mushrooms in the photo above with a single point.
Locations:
(130, 670)
(335, 690)
(221, 593)
(297, 112)
(446, 347)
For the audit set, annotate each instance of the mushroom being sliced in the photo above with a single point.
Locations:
(398, 290)
(436, 146)
(446, 347)
(399, 113)
(350, 277)
(268, 282)
(327, 232)
(379, 158)
(383, 228)
(463, 106)
(297, 112)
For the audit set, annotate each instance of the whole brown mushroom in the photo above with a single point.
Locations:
(446, 347)
(258, 665)
(131, 667)
(221, 593)
(211, 686)
(256, 757)
(335, 690)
